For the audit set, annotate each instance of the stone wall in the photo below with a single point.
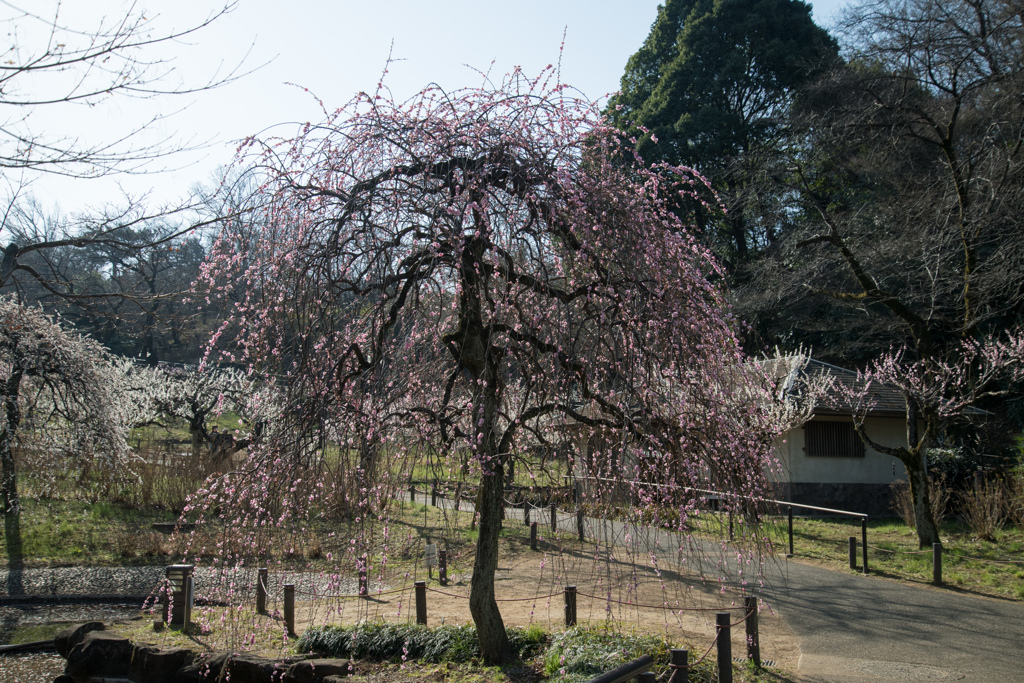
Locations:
(871, 499)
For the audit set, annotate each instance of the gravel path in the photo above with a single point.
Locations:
(45, 584)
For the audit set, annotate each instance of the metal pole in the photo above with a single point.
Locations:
(261, 590)
(625, 672)
(570, 605)
(937, 564)
(864, 540)
(680, 667)
(289, 608)
(421, 602)
(790, 532)
(533, 536)
(442, 567)
(724, 644)
(753, 637)
(853, 552)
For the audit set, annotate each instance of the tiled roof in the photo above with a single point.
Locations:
(885, 399)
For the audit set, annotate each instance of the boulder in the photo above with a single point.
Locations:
(73, 635)
(238, 668)
(153, 665)
(100, 655)
(203, 668)
(250, 669)
(316, 670)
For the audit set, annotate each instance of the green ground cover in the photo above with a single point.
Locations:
(997, 571)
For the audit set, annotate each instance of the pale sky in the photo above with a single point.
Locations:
(333, 48)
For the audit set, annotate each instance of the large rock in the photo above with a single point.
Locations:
(316, 670)
(203, 667)
(153, 665)
(73, 635)
(250, 669)
(100, 655)
(238, 668)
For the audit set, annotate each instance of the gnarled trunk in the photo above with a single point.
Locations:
(924, 520)
(9, 486)
(494, 645)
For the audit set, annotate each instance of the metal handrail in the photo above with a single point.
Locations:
(626, 671)
(725, 494)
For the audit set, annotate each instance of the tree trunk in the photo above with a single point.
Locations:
(924, 521)
(494, 645)
(471, 347)
(9, 487)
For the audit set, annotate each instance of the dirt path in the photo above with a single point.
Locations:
(615, 593)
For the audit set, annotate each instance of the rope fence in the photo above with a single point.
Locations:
(679, 666)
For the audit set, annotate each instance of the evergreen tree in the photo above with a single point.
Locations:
(709, 88)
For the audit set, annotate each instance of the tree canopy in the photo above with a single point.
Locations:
(464, 271)
(711, 86)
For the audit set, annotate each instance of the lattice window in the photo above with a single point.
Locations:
(832, 440)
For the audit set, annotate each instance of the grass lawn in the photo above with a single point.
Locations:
(60, 532)
(998, 570)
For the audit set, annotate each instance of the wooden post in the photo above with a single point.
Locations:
(937, 564)
(554, 519)
(753, 638)
(186, 609)
(579, 522)
(261, 590)
(853, 552)
(864, 541)
(790, 532)
(433, 494)
(679, 664)
(647, 677)
(442, 567)
(412, 493)
(570, 605)
(166, 597)
(289, 608)
(421, 602)
(533, 536)
(724, 645)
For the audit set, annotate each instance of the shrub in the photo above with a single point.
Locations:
(984, 509)
(579, 654)
(405, 641)
(903, 503)
(1015, 499)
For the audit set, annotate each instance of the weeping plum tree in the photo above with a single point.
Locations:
(461, 271)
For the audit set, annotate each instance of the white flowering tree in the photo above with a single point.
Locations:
(195, 396)
(65, 389)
